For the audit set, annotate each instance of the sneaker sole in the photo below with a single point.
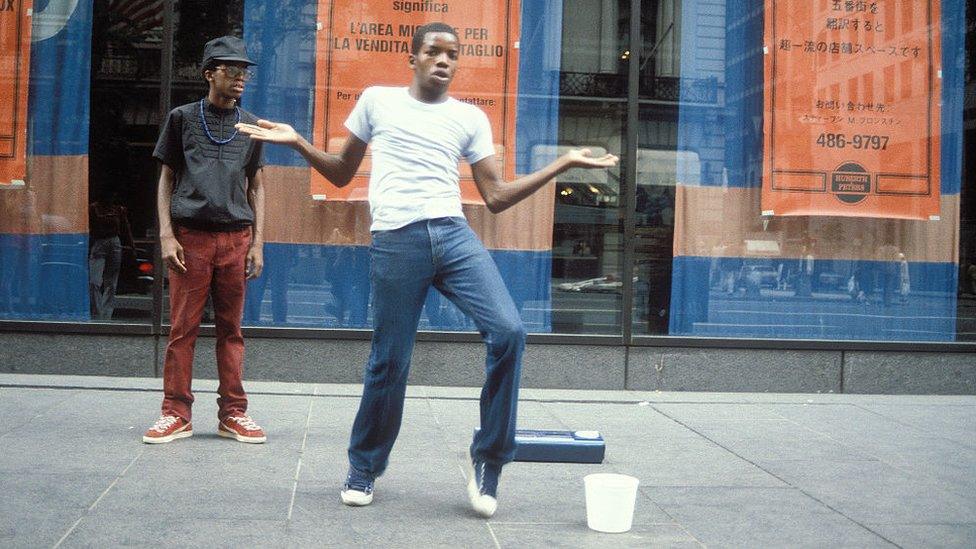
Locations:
(167, 438)
(241, 438)
(354, 499)
(482, 504)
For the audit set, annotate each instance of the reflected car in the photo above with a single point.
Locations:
(603, 284)
(136, 272)
(832, 281)
(765, 275)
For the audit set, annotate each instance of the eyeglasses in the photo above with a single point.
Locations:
(234, 71)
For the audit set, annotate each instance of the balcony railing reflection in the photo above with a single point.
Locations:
(143, 65)
(658, 88)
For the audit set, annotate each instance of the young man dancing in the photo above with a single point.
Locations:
(211, 216)
(420, 239)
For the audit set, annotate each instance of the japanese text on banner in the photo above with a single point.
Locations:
(852, 108)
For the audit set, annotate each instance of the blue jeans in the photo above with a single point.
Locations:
(446, 254)
(104, 265)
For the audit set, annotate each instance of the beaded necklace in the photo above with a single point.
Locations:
(203, 120)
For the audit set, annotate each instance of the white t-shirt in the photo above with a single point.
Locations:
(416, 148)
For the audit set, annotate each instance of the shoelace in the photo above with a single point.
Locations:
(484, 489)
(163, 423)
(246, 422)
(359, 483)
(481, 478)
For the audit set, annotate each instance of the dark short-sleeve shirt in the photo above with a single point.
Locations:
(210, 187)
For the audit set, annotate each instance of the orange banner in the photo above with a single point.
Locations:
(15, 32)
(851, 124)
(362, 44)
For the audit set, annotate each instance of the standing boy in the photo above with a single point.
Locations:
(211, 216)
(420, 239)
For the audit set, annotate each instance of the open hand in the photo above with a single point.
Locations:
(172, 253)
(274, 132)
(582, 158)
(254, 263)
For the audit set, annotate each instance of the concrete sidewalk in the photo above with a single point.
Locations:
(743, 470)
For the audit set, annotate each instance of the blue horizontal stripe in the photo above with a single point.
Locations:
(842, 300)
(44, 277)
(328, 286)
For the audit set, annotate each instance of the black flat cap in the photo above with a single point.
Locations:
(225, 48)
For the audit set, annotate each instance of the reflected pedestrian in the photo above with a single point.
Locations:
(109, 234)
(904, 279)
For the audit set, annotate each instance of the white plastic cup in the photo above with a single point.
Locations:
(610, 502)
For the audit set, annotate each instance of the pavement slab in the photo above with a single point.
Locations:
(39, 507)
(21, 407)
(928, 535)
(715, 470)
(120, 531)
(876, 492)
(577, 535)
(760, 517)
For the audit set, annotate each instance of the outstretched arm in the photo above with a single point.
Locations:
(337, 168)
(500, 195)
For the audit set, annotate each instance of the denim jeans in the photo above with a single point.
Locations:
(104, 264)
(446, 254)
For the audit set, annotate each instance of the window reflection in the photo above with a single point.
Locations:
(706, 261)
(587, 242)
(125, 78)
(742, 271)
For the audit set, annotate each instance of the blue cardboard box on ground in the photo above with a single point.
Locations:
(559, 446)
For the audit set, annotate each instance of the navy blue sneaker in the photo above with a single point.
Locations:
(358, 489)
(483, 485)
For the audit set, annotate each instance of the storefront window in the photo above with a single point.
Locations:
(126, 53)
(801, 168)
(818, 168)
(44, 158)
(966, 312)
(660, 93)
(587, 241)
(549, 78)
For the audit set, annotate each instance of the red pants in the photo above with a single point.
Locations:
(215, 265)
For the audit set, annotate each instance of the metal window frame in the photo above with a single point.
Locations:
(630, 171)
(165, 97)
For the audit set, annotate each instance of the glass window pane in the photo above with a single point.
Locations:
(587, 251)
(126, 52)
(317, 255)
(966, 312)
(817, 168)
(77, 185)
(587, 242)
(44, 154)
(657, 157)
